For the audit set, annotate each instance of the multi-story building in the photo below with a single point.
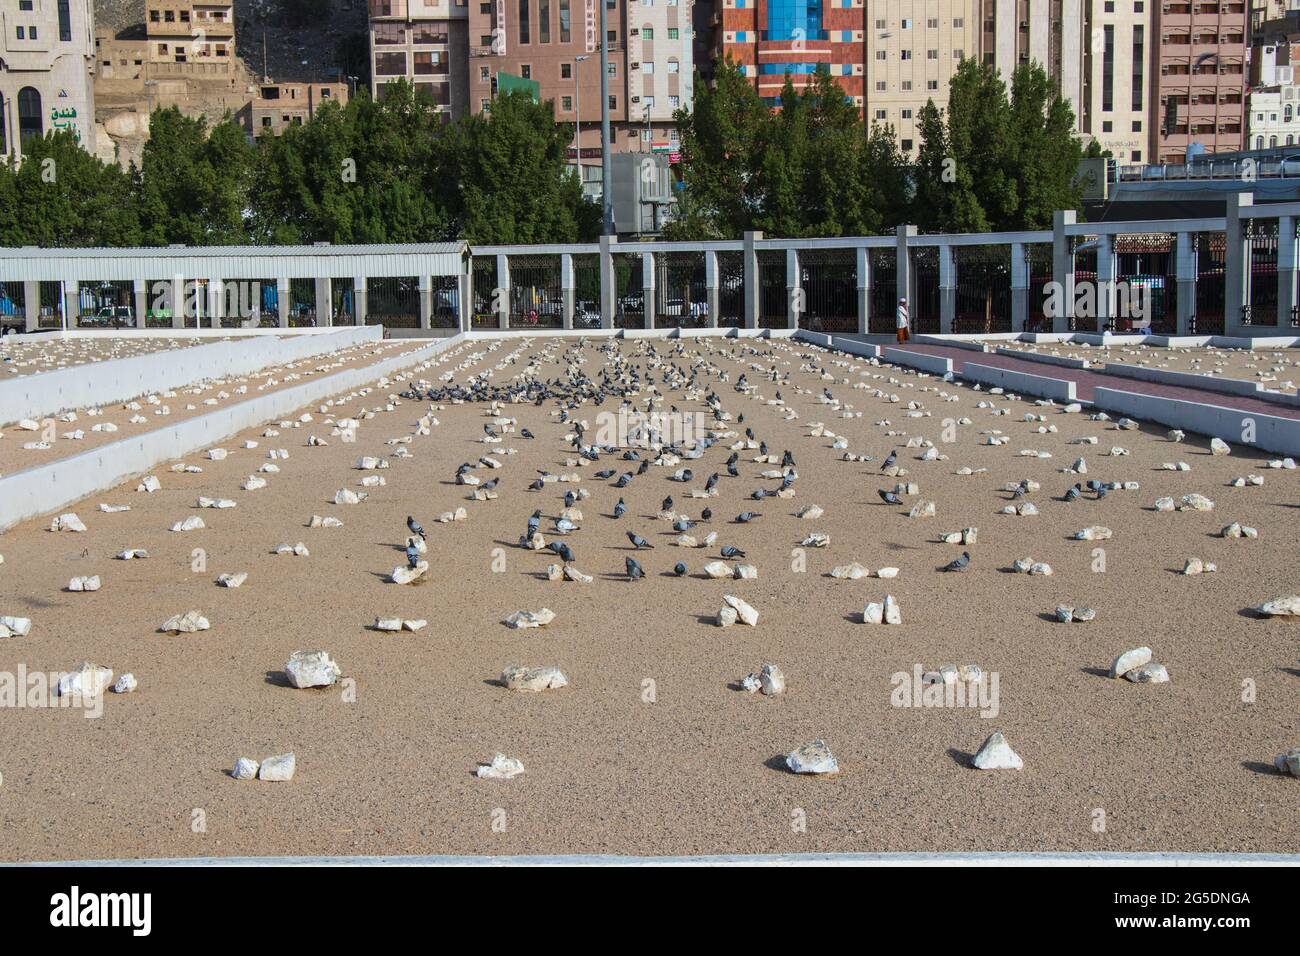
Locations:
(189, 39)
(1117, 78)
(1200, 80)
(426, 42)
(277, 106)
(1047, 32)
(889, 58)
(1274, 117)
(661, 67)
(46, 63)
(913, 48)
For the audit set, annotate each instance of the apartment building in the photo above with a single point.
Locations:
(1274, 117)
(913, 48)
(46, 63)
(1048, 32)
(1117, 77)
(274, 107)
(189, 39)
(1200, 81)
(427, 43)
(890, 59)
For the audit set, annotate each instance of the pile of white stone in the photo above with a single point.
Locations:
(1137, 666)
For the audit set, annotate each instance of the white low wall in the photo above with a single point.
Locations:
(1207, 383)
(120, 380)
(1272, 433)
(1060, 360)
(970, 343)
(1057, 389)
(54, 486)
(935, 364)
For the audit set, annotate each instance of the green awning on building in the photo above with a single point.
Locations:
(506, 82)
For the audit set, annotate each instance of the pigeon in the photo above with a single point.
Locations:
(638, 542)
(667, 504)
(683, 524)
(562, 549)
(569, 498)
(620, 509)
(889, 498)
(713, 480)
(1073, 494)
(645, 466)
(534, 520)
(679, 568)
(414, 527)
(565, 526)
(525, 433)
(732, 472)
(412, 555)
(729, 552)
(607, 473)
(624, 480)
(958, 564)
(634, 571)
(889, 460)
(747, 516)
(706, 514)
(537, 484)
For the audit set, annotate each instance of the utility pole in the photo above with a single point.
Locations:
(577, 115)
(606, 165)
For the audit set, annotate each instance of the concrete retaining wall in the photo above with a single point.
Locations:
(120, 380)
(1197, 380)
(1272, 433)
(1057, 389)
(1060, 360)
(52, 487)
(935, 364)
(952, 341)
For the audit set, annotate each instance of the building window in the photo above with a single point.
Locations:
(907, 145)
(25, 6)
(523, 22)
(566, 104)
(30, 123)
(390, 64)
(648, 102)
(65, 21)
(648, 67)
(674, 102)
(613, 102)
(613, 69)
(544, 20)
(566, 71)
(1108, 70)
(389, 34)
(526, 71)
(1139, 56)
(674, 67)
(647, 33)
(484, 74)
(565, 35)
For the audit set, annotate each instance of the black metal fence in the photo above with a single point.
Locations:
(343, 302)
(884, 290)
(983, 300)
(925, 310)
(106, 305)
(1211, 283)
(1262, 241)
(393, 301)
(483, 287)
(681, 294)
(829, 281)
(629, 291)
(1146, 283)
(50, 315)
(586, 291)
(773, 297)
(1083, 310)
(731, 289)
(444, 302)
(13, 307)
(303, 308)
(535, 297)
(1038, 265)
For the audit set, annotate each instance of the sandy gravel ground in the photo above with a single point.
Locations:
(52, 353)
(75, 429)
(1277, 369)
(653, 748)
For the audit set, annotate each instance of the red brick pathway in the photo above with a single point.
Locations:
(1086, 380)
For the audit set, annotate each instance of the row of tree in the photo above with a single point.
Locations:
(994, 159)
(392, 171)
(370, 171)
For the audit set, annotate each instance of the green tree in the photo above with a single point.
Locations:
(721, 136)
(505, 178)
(193, 182)
(60, 195)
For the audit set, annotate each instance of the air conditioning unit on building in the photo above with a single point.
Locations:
(636, 99)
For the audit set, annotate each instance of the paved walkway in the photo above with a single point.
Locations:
(1086, 380)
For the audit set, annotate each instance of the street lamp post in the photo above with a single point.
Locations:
(577, 116)
(606, 164)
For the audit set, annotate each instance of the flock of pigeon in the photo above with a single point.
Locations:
(685, 413)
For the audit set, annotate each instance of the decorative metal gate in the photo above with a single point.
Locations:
(535, 297)
(681, 296)
(1083, 309)
(393, 302)
(484, 290)
(983, 289)
(1261, 237)
(731, 289)
(1211, 283)
(925, 310)
(829, 279)
(343, 301)
(629, 292)
(772, 294)
(303, 307)
(884, 290)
